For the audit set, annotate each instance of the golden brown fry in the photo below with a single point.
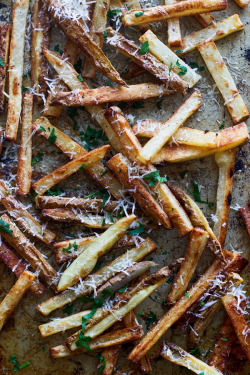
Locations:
(110, 355)
(29, 252)
(19, 17)
(47, 182)
(176, 10)
(4, 57)
(11, 300)
(205, 19)
(242, 3)
(25, 219)
(135, 4)
(23, 181)
(245, 213)
(174, 29)
(131, 70)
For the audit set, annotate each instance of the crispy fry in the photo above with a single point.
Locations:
(19, 17)
(98, 278)
(11, 300)
(174, 29)
(131, 70)
(78, 33)
(238, 352)
(176, 10)
(214, 32)
(24, 218)
(154, 145)
(23, 181)
(16, 265)
(4, 57)
(242, 3)
(225, 162)
(205, 19)
(245, 213)
(110, 355)
(121, 168)
(169, 58)
(179, 356)
(224, 81)
(86, 261)
(195, 247)
(135, 4)
(47, 182)
(147, 61)
(40, 25)
(29, 252)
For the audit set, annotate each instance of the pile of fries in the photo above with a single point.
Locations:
(134, 198)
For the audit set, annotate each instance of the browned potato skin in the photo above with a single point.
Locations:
(4, 55)
(245, 213)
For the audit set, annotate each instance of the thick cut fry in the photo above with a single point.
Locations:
(147, 61)
(169, 58)
(86, 261)
(29, 252)
(16, 265)
(24, 218)
(11, 300)
(110, 355)
(225, 161)
(40, 25)
(99, 20)
(205, 19)
(126, 140)
(106, 94)
(195, 247)
(99, 278)
(135, 4)
(224, 81)
(154, 145)
(19, 17)
(176, 10)
(214, 32)
(245, 213)
(240, 325)
(179, 356)
(4, 57)
(242, 3)
(79, 35)
(121, 168)
(174, 29)
(47, 182)
(25, 151)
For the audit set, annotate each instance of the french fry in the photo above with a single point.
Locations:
(215, 32)
(99, 20)
(154, 145)
(242, 3)
(245, 213)
(195, 247)
(16, 59)
(53, 178)
(23, 181)
(121, 168)
(176, 10)
(86, 261)
(16, 265)
(4, 57)
(131, 70)
(179, 356)
(225, 162)
(238, 352)
(240, 325)
(227, 139)
(78, 33)
(29, 252)
(130, 147)
(107, 94)
(11, 300)
(99, 278)
(135, 4)
(169, 58)
(205, 19)
(147, 61)
(74, 150)
(224, 81)
(40, 25)
(174, 29)
(110, 355)
(25, 219)
(116, 4)
(1, 139)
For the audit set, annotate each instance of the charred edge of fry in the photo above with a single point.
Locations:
(4, 55)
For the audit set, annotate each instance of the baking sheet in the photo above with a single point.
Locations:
(20, 336)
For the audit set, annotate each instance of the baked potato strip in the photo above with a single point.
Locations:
(110, 356)
(53, 178)
(195, 247)
(224, 81)
(17, 267)
(23, 217)
(205, 19)
(98, 278)
(242, 3)
(155, 144)
(4, 56)
(225, 161)
(29, 252)
(86, 261)
(245, 213)
(176, 10)
(23, 180)
(11, 300)
(174, 29)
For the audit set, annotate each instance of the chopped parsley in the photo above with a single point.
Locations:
(179, 51)
(105, 34)
(16, 366)
(123, 288)
(150, 320)
(201, 373)
(221, 126)
(124, 70)
(78, 65)
(37, 158)
(5, 227)
(136, 231)
(52, 137)
(222, 338)
(203, 303)
(144, 48)
(153, 177)
(186, 295)
(164, 253)
(102, 364)
(195, 351)
(68, 249)
(42, 129)
(170, 68)
(69, 309)
(105, 172)
(1, 62)
(103, 222)
(139, 14)
(92, 137)
(182, 68)
(113, 12)
(24, 89)
(57, 49)
(184, 173)
(194, 65)
(111, 217)
(197, 196)
(170, 279)
(54, 192)
(80, 77)
(72, 113)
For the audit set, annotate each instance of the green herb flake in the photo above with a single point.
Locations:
(194, 65)
(105, 34)
(139, 14)
(52, 137)
(92, 137)
(5, 227)
(68, 249)
(123, 71)
(150, 320)
(15, 361)
(103, 222)
(107, 292)
(123, 288)
(201, 373)
(153, 177)
(110, 84)
(24, 365)
(136, 231)
(144, 48)
(203, 303)
(1, 62)
(182, 68)
(221, 126)
(80, 77)
(43, 348)
(197, 196)
(102, 364)
(195, 351)
(141, 313)
(164, 253)
(222, 338)
(186, 295)
(69, 309)
(111, 217)
(24, 89)
(37, 158)
(42, 129)
(184, 173)
(113, 12)
(54, 192)
(170, 68)
(105, 172)
(178, 51)
(170, 279)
